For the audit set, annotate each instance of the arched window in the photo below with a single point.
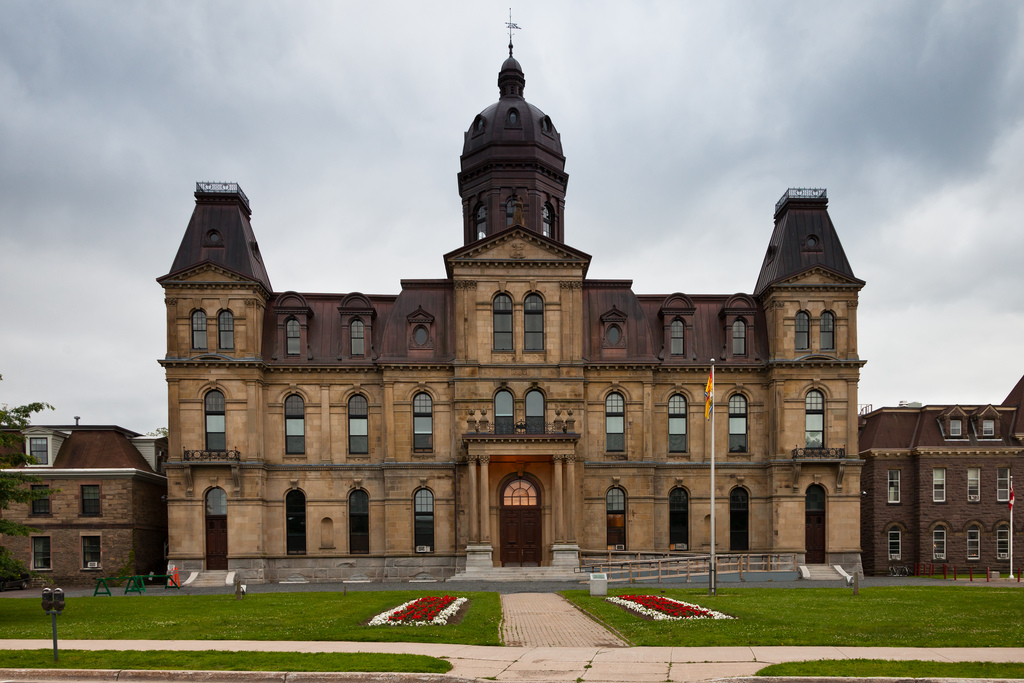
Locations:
(519, 493)
(814, 499)
(358, 330)
(1002, 541)
(678, 519)
(199, 330)
(503, 323)
(738, 424)
(423, 523)
(510, 210)
(615, 504)
(814, 419)
(359, 523)
(358, 439)
(677, 424)
(895, 543)
(534, 412)
(422, 423)
(295, 522)
(828, 329)
(216, 439)
(739, 504)
(678, 332)
(216, 502)
(533, 322)
(739, 338)
(504, 422)
(294, 425)
(614, 423)
(291, 333)
(481, 222)
(939, 543)
(547, 215)
(803, 331)
(226, 326)
(973, 543)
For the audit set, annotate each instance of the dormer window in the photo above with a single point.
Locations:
(988, 429)
(678, 332)
(955, 429)
(613, 335)
(38, 448)
(419, 337)
(358, 331)
(513, 118)
(291, 331)
(739, 338)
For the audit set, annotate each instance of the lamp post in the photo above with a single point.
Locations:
(53, 604)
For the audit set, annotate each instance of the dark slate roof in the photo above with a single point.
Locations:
(910, 428)
(99, 447)
(705, 325)
(219, 233)
(790, 251)
(324, 332)
(1016, 398)
(616, 298)
(420, 300)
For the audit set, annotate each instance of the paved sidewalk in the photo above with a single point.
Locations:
(542, 664)
(549, 620)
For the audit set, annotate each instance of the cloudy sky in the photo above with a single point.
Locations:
(682, 124)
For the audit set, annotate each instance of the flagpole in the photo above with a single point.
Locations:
(1011, 526)
(712, 579)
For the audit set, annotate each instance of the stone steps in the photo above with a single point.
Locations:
(210, 579)
(822, 572)
(518, 574)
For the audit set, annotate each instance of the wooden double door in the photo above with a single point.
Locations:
(217, 542)
(814, 530)
(520, 525)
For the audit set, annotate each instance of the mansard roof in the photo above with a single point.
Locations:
(804, 238)
(219, 232)
(909, 428)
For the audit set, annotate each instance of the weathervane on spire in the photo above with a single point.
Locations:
(511, 27)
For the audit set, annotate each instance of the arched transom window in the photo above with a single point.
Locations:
(519, 492)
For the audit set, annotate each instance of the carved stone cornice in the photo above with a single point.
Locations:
(171, 302)
(571, 284)
(465, 284)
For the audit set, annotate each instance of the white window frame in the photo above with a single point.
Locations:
(28, 446)
(938, 484)
(1003, 484)
(973, 484)
(894, 486)
(988, 429)
(1003, 542)
(939, 543)
(973, 543)
(895, 536)
(956, 429)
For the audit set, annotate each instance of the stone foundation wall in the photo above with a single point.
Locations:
(350, 568)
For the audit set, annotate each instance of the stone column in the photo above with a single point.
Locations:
(485, 501)
(474, 525)
(570, 498)
(558, 508)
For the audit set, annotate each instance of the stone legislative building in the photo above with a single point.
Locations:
(514, 412)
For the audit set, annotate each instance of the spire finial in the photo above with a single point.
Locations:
(511, 27)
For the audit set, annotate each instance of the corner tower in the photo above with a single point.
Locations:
(513, 171)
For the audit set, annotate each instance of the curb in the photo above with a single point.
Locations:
(45, 675)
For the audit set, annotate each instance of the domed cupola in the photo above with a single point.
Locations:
(512, 157)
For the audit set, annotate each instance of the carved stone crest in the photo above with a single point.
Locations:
(517, 250)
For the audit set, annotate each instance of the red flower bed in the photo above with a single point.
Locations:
(423, 609)
(673, 608)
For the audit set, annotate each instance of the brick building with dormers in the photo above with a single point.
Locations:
(936, 485)
(107, 512)
(513, 412)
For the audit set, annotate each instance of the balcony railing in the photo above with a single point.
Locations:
(823, 453)
(522, 428)
(212, 456)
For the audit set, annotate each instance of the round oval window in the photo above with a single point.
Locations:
(512, 117)
(614, 334)
(420, 336)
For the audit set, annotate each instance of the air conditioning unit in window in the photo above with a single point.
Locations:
(679, 546)
(620, 547)
(973, 499)
(92, 565)
(423, 548)
(894, 557)
(1003, 556)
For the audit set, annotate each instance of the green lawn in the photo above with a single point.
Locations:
(212, 660)
(910, 616)
(876, 668)
(264, 616)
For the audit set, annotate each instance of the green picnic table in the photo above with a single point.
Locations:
(136, 583)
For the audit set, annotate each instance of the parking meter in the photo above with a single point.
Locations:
(53, 604)
(58, 600)
(47, 599)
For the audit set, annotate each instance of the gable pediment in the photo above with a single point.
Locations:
(819, 276)
(517, 246)
(205, 272)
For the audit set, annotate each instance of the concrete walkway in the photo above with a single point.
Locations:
(549, 620)
(542, 664)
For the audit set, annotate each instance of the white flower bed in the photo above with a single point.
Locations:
(661, 616)
(384, 618)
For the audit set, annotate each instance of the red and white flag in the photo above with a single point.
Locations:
(1011, 497)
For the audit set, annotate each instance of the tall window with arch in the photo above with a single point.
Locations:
(504, 421)
(503, 322)
(678, 519)
(422, 422)
(739, 338)
(677, 331)
(199, 330)
(534, 412)
(295, 522)
(677, 424)
(827, 331)
(294, 425)
(226, 329)
(510, 211)
(291, 334)
(739, 520)
(533, 322)
(1003, 541)
(814, 419)
(973, 543)
(939, 543)
(216, 437)
(357, 330)
(615, 507)
(614, 423)
(359, 523)
(358, 432)
(547, 219)
(738, 424)
(423, 523)
(803, 331)
(481, 222)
